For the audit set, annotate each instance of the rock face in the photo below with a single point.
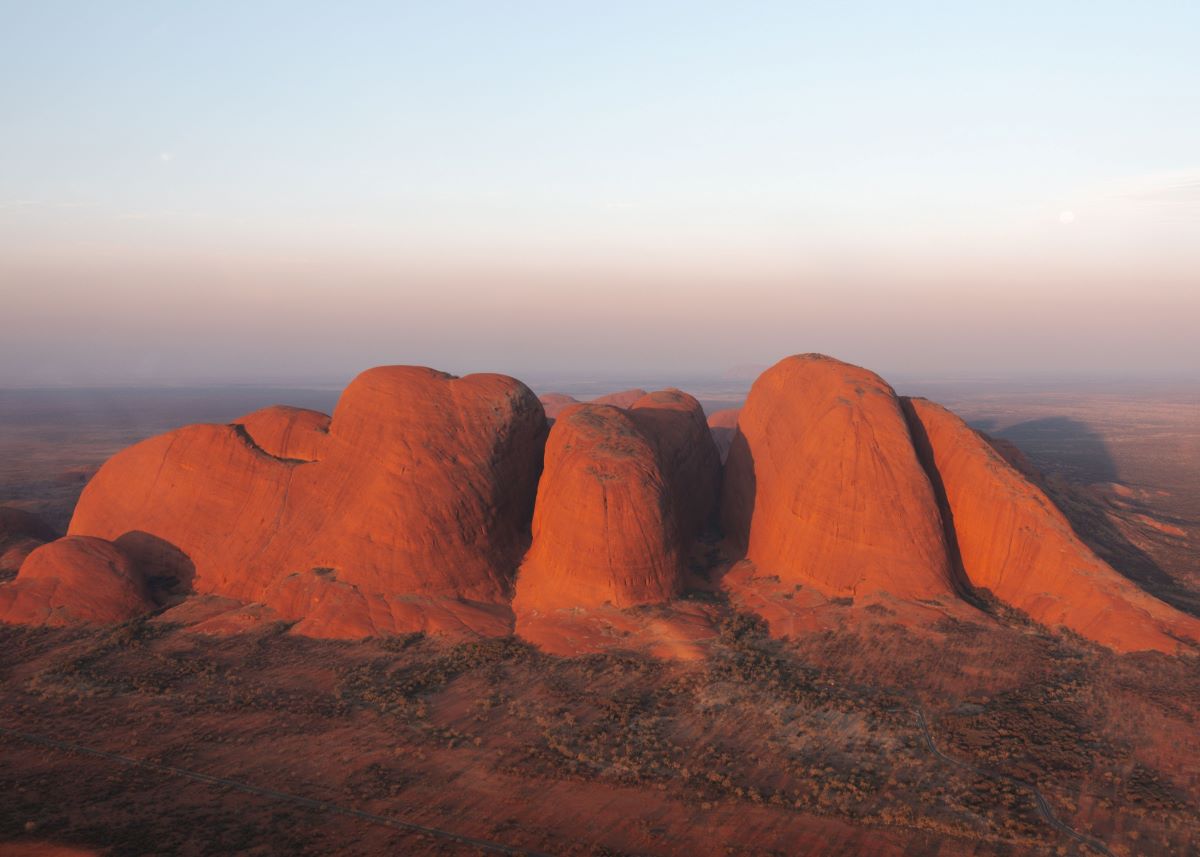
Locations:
(281, 431)
(421, 484)
(73, 581)
(823, 487)
(622, 496)
(723, 425)
(1013, 541)
(689, 459)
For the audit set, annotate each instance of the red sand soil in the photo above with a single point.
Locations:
(762, 746)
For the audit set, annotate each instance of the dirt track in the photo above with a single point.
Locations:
(1043, 805)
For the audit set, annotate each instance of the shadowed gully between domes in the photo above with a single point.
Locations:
(422, 505)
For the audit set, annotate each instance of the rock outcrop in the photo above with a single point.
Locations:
(421, 485)
(413, 508)
(823, 487)
(77, 580)
(621, 399)
(623, 494)
(1014, 542)
(603, 528)
(687, 455)
(281, 431)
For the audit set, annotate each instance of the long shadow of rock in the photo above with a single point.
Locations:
(1062, 456)
(1075, 449)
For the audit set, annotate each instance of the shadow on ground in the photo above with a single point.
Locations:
(1068, 455)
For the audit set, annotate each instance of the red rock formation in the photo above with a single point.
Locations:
(286, 432)
(75, 580)
(409, 509)
(723, 425)
(623, 399)
(624, 494)
(604, 528)
(823, 487)
(1014, 542)
(555, 403)
(423, 485)
(690, 463)
(20, 533)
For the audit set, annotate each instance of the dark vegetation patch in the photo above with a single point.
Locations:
(824, 726)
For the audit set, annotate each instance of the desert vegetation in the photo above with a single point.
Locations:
(813, 737)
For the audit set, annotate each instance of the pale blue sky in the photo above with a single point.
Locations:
(286, 189)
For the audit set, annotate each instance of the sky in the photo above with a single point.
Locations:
(293, 192)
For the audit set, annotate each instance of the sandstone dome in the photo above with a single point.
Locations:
(282, 431)
(420, 485)
(623, 494)
(603, 525)
(674, 421)
(823, 487)
(75, 580)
